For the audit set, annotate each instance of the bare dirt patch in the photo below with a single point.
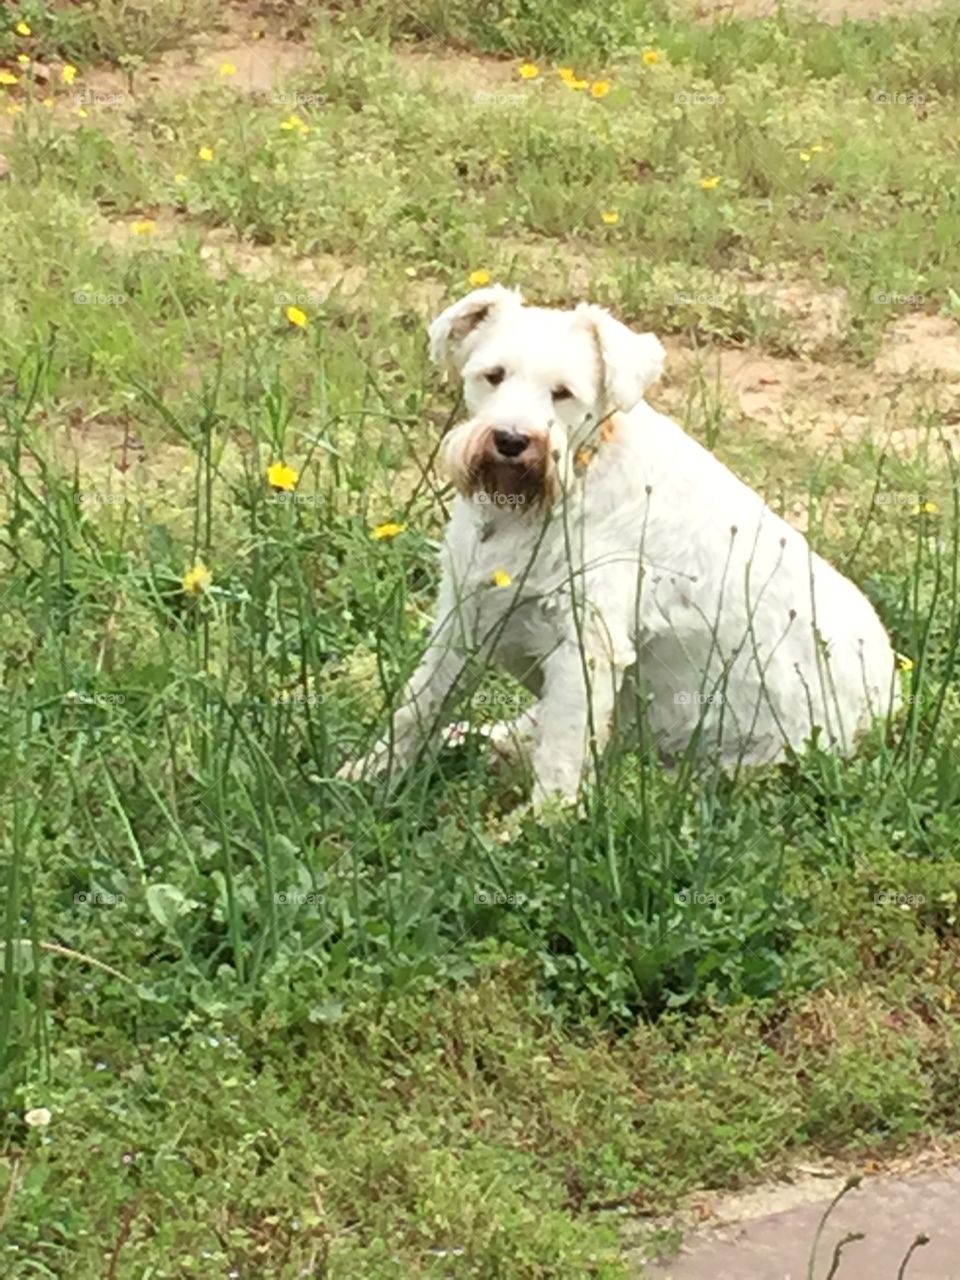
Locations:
(921, 344)
(825, 10)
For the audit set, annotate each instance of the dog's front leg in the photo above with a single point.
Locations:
(417, 716)
(575, 717)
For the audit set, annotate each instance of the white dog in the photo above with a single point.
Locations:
(609, 562)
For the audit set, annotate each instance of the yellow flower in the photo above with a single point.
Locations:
(294, 122)
(710, 184)
(37, 1117)
(479, 278)
(227, 69)
(68, 73)
(577, 84)
(385, 532)
(146, 227)
(610, 217)
(805, 157)
(566, 74)
(528, 70)
(816, 148)
(81, 113)
(14, 109)
(23, 59)
(600, 88)
(296, 316)
(179, 179)
(7, 77)
(926, 509)
(205, 154)
(48, 103)
(197, 580)
(501, 578)
(22, 29)
(280, 476)
(904, 663)
(651, 57)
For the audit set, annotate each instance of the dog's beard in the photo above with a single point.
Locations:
(479, 471)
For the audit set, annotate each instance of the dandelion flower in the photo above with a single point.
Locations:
(578, 84)
(293, 122)
(23, 29)
(280, 476)
(145, 227)
(479, 278)
(651, 57)
(816, 148)
(501, 578)
(710, 184)
(81, 112)
(904, 663)
(528, 70)
(296, 317)
(197, 580)
(37, 1117)
(610, 217)
(68, 73)
(566, 74)
(7, 77)
(179, 179)
(805, 157)
(600, 88)
(205, 154)
(23, 59)
(228, 69)
(14, 109)
(386, 532)
(926, 509)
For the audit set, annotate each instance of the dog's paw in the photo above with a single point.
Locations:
(366, 767)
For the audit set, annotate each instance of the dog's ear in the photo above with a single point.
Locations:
(631, 362)
(451, 329)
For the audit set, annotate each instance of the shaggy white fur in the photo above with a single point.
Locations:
(635, 569)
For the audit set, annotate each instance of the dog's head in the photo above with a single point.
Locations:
(537, 384)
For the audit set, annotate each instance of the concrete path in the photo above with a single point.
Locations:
(890, 1211)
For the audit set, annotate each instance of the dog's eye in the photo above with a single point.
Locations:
(562, 393)
(494, 376)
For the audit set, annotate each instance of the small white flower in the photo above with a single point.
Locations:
(37, 1117)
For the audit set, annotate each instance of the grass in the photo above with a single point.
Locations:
(288, 1026)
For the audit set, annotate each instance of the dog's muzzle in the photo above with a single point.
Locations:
(510, 466)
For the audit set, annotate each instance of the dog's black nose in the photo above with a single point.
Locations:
(510, 443)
